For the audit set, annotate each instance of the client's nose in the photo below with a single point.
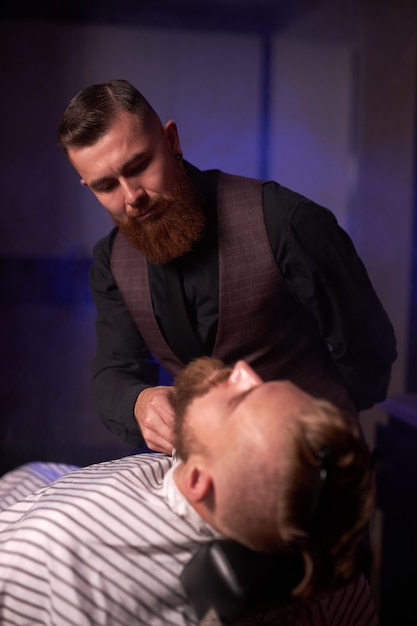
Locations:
(243, 376)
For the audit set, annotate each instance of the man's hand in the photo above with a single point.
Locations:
(155, 417)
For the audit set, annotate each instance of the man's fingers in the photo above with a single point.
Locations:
(155, 417)
(157, 433)
(157, 444)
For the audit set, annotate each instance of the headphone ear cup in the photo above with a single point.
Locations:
(224, 579)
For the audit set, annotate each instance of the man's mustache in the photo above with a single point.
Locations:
(140, 207)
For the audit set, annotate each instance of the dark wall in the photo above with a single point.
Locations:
(47, 342)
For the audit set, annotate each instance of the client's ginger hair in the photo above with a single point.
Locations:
(326, 519)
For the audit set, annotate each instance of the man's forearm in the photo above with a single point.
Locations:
(115, 390)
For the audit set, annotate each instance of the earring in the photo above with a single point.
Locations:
(178, 157)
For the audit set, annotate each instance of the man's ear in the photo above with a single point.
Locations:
(83, 183)
(197, 483)
(171, 135)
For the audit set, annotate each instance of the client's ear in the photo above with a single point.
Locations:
(197, 483)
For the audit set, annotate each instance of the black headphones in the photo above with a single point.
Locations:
(224, 580)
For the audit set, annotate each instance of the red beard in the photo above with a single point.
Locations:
(173, 231)
(195, 380)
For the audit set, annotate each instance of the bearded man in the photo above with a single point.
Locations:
(206, 263)
(107, 544)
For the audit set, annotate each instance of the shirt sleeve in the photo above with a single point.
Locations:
(325, 274)
(123, 365)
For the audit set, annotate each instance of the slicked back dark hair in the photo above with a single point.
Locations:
(93, 110)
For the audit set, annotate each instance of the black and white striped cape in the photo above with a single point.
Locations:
(105, 545)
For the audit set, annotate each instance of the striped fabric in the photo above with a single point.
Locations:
(18, 484)
(350, 606)
(98, 546)
(104, 545)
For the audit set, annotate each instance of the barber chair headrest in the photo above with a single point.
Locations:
(224, 579)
